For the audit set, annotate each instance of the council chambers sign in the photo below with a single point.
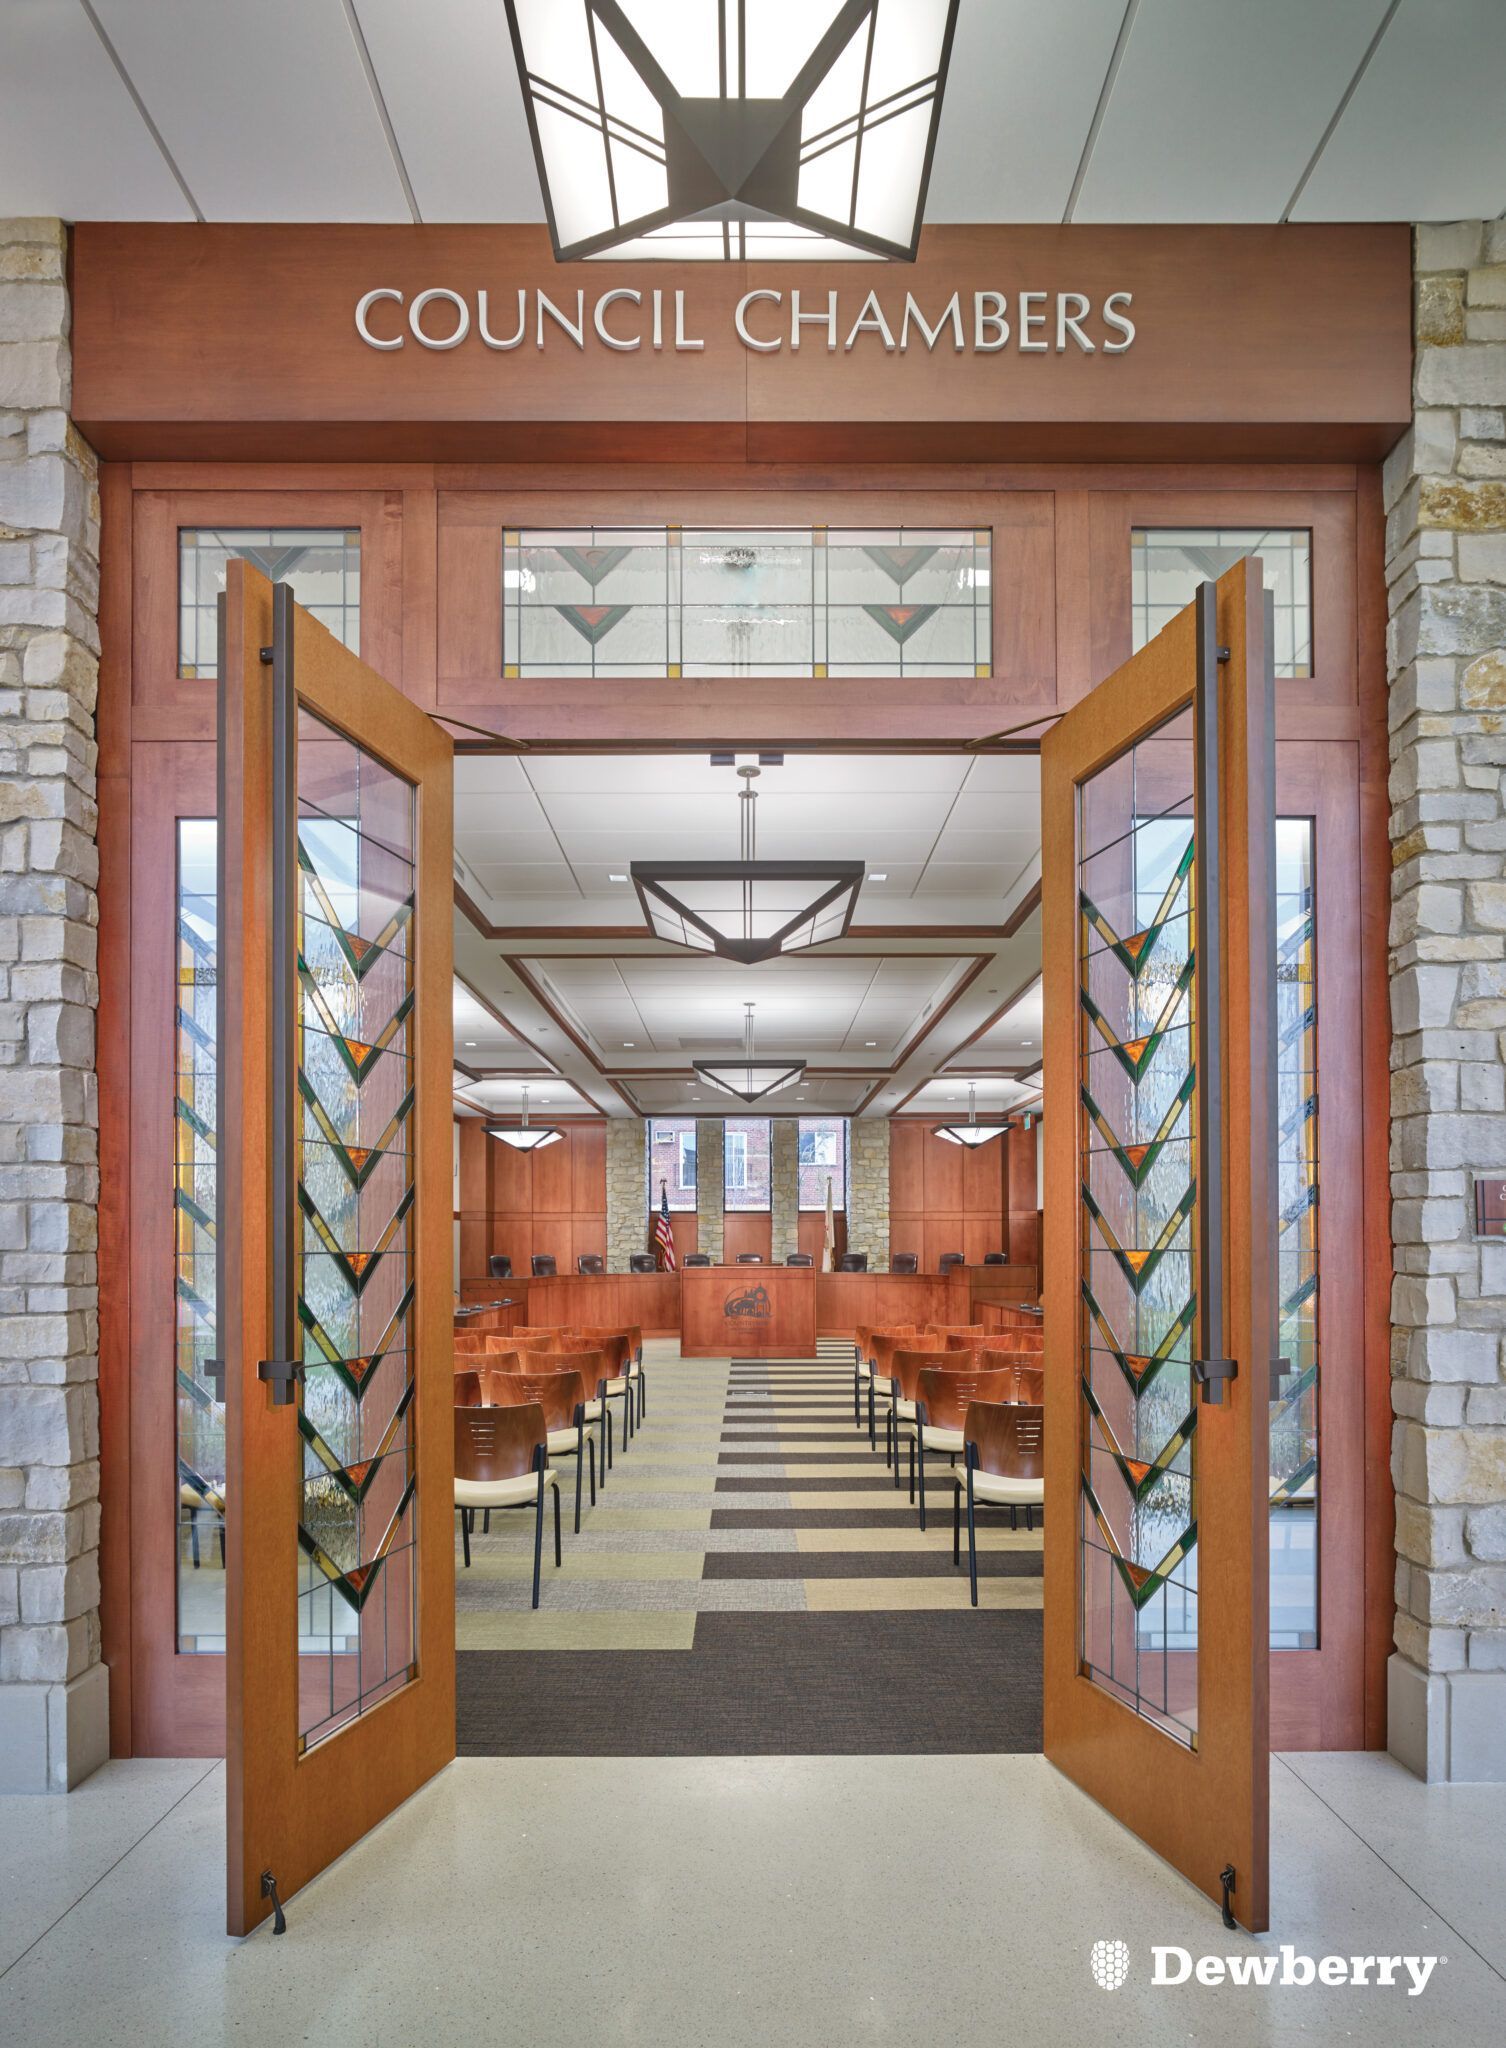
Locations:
(768, 319)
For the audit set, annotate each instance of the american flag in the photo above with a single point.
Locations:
(664, 1233)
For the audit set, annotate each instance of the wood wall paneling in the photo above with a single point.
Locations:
(745, 1230)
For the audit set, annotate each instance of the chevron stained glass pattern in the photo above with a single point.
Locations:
(768, 601)
(1167, 565)
(354, 1188)
(1137, 901)
(1295, 1510)
(323, 565)
(199, 1404)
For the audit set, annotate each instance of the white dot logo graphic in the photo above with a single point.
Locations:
(1109, 1961)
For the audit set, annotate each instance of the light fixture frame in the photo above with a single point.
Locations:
(657, 879)
(524, 1136)
(976, 1131)
(785, 1072)
(683, 157)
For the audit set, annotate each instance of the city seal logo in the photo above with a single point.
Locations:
(749, 1302)
(1109, 1962)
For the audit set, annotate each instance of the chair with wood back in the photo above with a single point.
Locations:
(562, 1396)
(620, 1346)
(468, 1343)
(574, 1354)
(862, 1366)
(883, 1343)
(500, 1462)
(942, 1330)
(1024, 1368)
(1004, 1466)
(468, 1388)
(941, 1412)
(906, 1363)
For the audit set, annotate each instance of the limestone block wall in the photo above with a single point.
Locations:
(53, 1687)
(868, 1190)
(708, 1187)
(627, 1184)
(1445, 490)
(784, 1187)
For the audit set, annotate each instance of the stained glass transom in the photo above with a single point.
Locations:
(357, 1532)
(323, 565)
(1137, 896)
(1167, 565)
(789, 601)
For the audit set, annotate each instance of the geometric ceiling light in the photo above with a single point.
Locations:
(732, 130)
(524, 1136)
(749, 1079)
(973, 1132)
(748, 909)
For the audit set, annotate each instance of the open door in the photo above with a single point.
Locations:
(1158, 810)
(335, 802)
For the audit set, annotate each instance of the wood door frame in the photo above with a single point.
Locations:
(1201, 1807)
(294, 1813)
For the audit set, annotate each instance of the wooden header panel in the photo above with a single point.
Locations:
(1221, 342)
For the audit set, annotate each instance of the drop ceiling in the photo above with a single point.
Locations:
(1089, 110)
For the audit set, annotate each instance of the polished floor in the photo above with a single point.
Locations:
(750, 1583)
(808, 1902)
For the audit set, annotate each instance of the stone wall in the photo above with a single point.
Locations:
(1445, 490)
(784, 1187)
(627, 1185)
(868, 1193)
(708, 1187)
(53, 1687)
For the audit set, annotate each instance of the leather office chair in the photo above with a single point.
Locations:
(950, 1259)
(698, 1258)
(642, 1262)
(544, 1267)
(499, 1266)
(590, 1262)
(995, 1259)
(853, 1262)
(750, 1258)
(904, 1262)
(799, 1259)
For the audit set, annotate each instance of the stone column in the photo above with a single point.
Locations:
(1445, 493)
(784, 1186)
(628, 1195)
(54, 1725)
(868, 1190)
(708, 1186)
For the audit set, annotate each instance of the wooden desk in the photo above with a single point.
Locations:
(843, 1300)
(748, 1312)
(600, 1301)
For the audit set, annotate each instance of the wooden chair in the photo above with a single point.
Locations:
(568, 1354)
(469, 1343)
(905, 1367)
(862, 1366)
(500, 1462)
(468, 1389)
(1027, 1376)
(1004, 1466)
(562, 1396)
(618, 1347)
(883, 1345)
(955, 1330)
(941, 1414)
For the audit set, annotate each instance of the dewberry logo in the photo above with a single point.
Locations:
(1109, 1962)
(1288, 1969)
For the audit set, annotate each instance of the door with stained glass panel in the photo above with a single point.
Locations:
(334, 1242)
(1160, 945)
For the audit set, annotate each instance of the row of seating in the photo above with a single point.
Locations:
(529, 1396)
(545, 1266)
(960, 1390)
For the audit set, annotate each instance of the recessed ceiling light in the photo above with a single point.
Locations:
(870, 1042)
(1027, 1041)
(879, 878)
(470, 1045)
(627, 1045)
(616, 878)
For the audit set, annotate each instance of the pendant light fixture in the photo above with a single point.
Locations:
(748, 909)
(524, 1136)
(973, 1132)
(729, 130)
(749, 1079)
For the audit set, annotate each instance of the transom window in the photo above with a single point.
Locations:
(765, 601)
(322, 564)
(1168, 563)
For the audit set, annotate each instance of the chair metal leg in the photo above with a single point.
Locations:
(538, 1537)
(486, 1526)
(580, 1466)
(972, 1541)
(591, 1447)
(872, 1429)
(465, 1535)
(956, 1525)
(920, 1467)
(559, 1555)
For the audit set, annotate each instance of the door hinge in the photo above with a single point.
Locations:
(1211, 1373)
(266, 657)
(1226, 1881)
(282, 1375)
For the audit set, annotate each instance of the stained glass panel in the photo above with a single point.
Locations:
(200, 1404)
(790, 601)
(354, 1180)
(323, 565)
(1294, 1408)
(1137, 900)
(1167, 565)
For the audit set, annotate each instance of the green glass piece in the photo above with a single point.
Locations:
(355, 1373)
(1136, 1264)
(1138, 1160)
(361, 955)
(356, 1268)
(1134, 951)
(1140, 1368)
(355, 1583)
(1139, 1475)
(1141, 1582)
(356, 1055)
(1135, 1054)
(356, 1480)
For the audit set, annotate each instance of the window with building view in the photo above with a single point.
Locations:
(671, 1161)
(745, 1162)
(822, 1157)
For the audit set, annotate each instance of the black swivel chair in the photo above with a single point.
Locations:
(499, 1266)
(643, 1262)
(799, 1259)
(590, 1262)
(750, 1258)
(950, 1259)
(544, 1266)
(995, 1259)
(698, 1258)
(853, 1262)
(905, 1262)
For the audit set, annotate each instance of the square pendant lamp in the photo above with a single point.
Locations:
(732, 130)
(975, 1131)
(524, 1136)
(749, 1079)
